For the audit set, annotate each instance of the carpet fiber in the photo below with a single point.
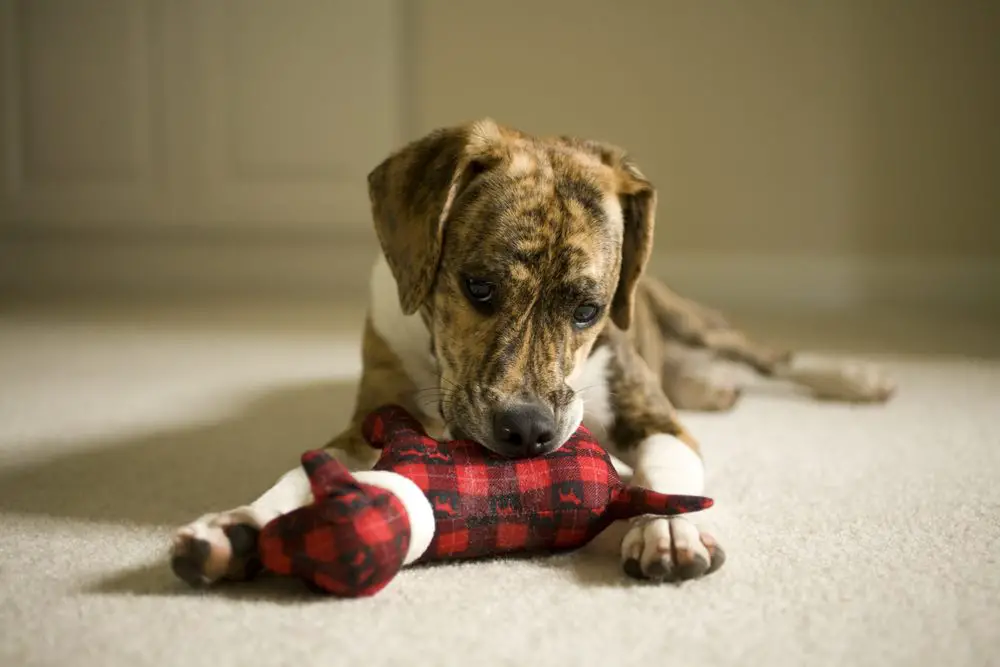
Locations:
(856, 535)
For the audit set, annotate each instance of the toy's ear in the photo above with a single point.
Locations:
(327, 475)
(390, 423)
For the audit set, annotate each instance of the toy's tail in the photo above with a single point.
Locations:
(632, 501)
(389, 423)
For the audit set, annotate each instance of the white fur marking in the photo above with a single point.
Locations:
(521, 164)
(665, 464)
(418, 508)
(590, 381)
(405, 335)
(613, 209)
(290, 492)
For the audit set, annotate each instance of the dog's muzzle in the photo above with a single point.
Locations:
(523, 430)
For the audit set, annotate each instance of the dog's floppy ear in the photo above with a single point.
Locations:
(638, 201)
(412, 192)
(637, 197)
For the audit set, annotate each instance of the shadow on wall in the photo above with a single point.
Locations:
(173, 476)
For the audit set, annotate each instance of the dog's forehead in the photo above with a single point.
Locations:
(544, 205)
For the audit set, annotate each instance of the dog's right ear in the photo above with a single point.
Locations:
(412, 192)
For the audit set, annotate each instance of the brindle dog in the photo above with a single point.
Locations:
(509, 304)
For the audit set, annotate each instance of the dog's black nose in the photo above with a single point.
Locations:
(524, 430)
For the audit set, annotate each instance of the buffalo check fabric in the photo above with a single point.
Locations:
(487, 505)
(350, 541)
(353, 538)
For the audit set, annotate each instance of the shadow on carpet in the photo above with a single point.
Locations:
(173, 476)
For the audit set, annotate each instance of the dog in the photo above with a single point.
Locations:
(510, 304)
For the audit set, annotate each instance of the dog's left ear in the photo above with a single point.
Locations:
(638, 201)
(637, 197)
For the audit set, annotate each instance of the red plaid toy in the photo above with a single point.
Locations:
(430, 501)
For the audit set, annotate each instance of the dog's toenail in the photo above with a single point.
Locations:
(694, 568)
(656, 570)
(242, 539)
(633, 568)
(187, 570)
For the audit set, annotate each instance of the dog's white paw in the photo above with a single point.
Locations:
(852, 382)
(669, 549)
(216, 546)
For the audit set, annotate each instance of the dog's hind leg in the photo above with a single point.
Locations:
(686, 324)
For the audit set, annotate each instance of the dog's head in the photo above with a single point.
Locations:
(517, 251)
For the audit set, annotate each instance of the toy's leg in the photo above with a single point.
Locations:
(645, 433)
(418, 508)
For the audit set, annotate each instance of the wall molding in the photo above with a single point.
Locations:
(834, 282)
(263, 263)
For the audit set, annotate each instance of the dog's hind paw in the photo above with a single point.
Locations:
(851, 382)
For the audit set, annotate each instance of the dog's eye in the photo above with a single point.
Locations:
(478, 291)
(585, 315)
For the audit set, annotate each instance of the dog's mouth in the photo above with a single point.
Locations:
(491, 434)
(515, 426)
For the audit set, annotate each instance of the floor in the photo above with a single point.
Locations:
(857, 535)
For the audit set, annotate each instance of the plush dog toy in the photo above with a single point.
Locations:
(431, 501)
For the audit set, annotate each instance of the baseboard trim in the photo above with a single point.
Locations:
(834, 282)
(187, 265)
(336, 266)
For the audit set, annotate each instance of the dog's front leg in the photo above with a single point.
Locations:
(645, 432)
(222, 545)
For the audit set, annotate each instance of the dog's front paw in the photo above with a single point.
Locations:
(216, 546)
(669, 549)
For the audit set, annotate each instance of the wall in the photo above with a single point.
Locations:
(850, 147)
(822, 153)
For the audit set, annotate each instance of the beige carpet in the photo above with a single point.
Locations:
(856, 535)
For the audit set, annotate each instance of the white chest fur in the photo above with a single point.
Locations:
(405, 335)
